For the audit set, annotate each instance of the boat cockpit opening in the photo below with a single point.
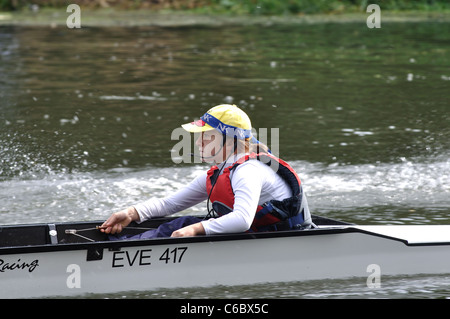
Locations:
(85, 232)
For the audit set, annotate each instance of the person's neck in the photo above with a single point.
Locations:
(231, 159)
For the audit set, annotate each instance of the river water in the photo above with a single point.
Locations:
(86, 118)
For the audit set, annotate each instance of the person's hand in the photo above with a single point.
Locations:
(189, 231)
(117, 221)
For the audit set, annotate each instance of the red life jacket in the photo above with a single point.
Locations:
(272, 215)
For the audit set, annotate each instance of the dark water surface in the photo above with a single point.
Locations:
(86, 118)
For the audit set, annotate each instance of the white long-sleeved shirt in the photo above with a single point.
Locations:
(253, 183)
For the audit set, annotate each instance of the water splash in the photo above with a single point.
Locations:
(404, 192)
(409, 188)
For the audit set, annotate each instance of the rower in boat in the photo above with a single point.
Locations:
(247, 189)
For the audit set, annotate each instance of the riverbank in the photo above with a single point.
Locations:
(128, 18)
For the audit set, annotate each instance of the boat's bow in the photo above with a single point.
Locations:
(410, 234)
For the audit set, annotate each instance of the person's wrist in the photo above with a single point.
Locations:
(199, 229)
(132, 213)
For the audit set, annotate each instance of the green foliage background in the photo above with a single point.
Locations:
(253, 7)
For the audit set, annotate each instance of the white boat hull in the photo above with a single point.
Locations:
(334, 252)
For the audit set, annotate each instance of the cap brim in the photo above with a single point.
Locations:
(197, 127)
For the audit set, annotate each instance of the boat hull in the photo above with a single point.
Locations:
(108, 267)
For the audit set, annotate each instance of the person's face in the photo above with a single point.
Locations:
(209, 144)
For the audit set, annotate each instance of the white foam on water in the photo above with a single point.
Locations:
(85, 195)
(64, 196)
(409, 186)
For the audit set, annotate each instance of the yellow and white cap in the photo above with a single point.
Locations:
(227, 119)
